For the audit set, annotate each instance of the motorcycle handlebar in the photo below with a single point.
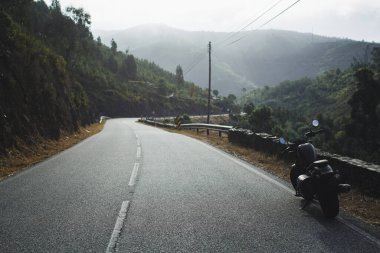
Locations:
(292, 146)
(312, 134)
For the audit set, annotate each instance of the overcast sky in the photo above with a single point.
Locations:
(355, 19)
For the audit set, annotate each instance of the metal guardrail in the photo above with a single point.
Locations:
(197, 126)
(208, 127)
(156, 123)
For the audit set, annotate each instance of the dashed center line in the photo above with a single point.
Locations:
(132, 180)
(125, 205)
(138, 155)
(118, 226)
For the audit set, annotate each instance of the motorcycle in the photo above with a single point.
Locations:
(312, 178)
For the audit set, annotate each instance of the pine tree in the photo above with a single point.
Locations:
(113, 46)
(179, 75)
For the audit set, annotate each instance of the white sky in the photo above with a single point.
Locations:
(355, 19)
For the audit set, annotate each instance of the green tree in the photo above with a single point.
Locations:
(131, 67)
(55, 5)
(128, 68)
(179, 75)
(376, 58)
(112, 64)
(261, 119)
(99, 41)
(232, 97)
(215, 93)
(249, 108)
(365, 123)
(162, 87)
(79, 16)
(113, 46)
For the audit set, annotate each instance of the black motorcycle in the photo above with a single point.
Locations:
(312, 178)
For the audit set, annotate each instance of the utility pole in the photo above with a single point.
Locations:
(209, 83)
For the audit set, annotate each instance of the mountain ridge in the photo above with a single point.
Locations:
(262, 57)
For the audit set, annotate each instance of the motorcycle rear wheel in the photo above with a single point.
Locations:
(329, 204)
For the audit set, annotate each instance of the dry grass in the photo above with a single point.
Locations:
(356, 203)
(26, 155)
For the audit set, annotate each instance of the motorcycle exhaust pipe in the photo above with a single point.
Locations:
(344, 188)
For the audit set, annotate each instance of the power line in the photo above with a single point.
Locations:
(250, 23)
(195, 63)
(270, 20)
(202, 56)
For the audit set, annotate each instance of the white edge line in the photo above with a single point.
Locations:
(360, 231)
(251, 169)
(118, 227)
(132, 180)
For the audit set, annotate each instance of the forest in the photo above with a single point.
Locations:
(346, 103)
(55, 76)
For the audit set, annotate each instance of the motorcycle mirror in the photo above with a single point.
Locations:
(282, 140)
(315, 123)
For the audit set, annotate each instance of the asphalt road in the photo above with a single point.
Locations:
(135, 188)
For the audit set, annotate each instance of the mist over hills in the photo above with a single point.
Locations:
(264, 57)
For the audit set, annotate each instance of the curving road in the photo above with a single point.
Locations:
(135, 188)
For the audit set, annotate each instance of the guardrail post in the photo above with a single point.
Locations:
(208, 132)
(220, 133)
(197, 130)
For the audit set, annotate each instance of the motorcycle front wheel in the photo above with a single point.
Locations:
(329, 204)
(294, 173)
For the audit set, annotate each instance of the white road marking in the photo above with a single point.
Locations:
(360, 231)
(138, 140)
(251, 169)
(125, 205)
(135, 170)
(138, 155)
(132, 180)
(118, 227)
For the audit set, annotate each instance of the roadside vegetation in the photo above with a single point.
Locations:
(346, 103)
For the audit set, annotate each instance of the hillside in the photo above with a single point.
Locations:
(346, 103)
(263, 57)
(55, 77)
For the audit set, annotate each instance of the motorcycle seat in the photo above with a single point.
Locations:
(320, 163)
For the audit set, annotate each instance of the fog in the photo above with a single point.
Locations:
(354, 19)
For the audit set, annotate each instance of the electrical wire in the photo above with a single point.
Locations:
(270, 20)
(231, 35)
(195, 63)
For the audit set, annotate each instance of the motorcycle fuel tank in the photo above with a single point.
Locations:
(306, 154)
